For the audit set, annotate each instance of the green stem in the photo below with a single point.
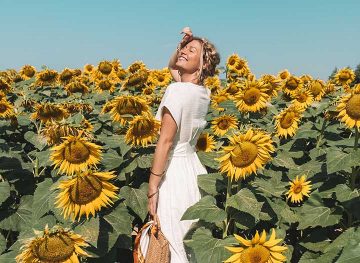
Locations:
(238, 188)
(354, 171)
(227, 220)
(321, 135)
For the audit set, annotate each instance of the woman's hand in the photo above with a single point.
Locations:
(152, 205)
(187, 36)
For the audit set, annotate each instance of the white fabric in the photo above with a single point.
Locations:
(188, 103)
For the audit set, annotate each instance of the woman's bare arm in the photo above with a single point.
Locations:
(172, 67)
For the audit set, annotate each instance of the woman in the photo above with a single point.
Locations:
(182, 111)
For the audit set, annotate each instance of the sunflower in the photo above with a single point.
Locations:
(246, 153)
(303, 98)
(298, 189)
(107, 106)
(329, 87)
(222, 124)
(47, 77)
(6, 109)
(344, 76)
(86, 194)
(272, 83)
(136, 80)
(232, 88)
(48, 111)
(116, 64)
(219, 97)
(88, 68)
(291, 85)
(75, 154)
(127, 104)
(135, 67)
(349, 108)
(160, 78)
(105, 67)
(252, 97)
(213, 83)
(56, 245)
(76, 86)
(205, 142)
(105, 84)
(284, 74)
(317, 88)
(287, 122)
(75, 107)
(4, 86)
(257, 249)
(232, 61)
(143, 129)
(27, 72)
(306, 79)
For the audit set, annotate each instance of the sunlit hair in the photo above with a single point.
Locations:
(209, 58)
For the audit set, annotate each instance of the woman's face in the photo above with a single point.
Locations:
(189, 57)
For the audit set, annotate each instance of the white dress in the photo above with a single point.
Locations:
(188, 103)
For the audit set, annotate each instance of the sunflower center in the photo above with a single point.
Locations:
(86, 189)
(29, 72)
(76, 152)
(316, 88)
(291, 84)
(105, 85)
(223, 124)
(256, 254)
(201, 143)
(287, 120)
(105, 68)
(142, 128)
(55, 248)
(297, 188)
(251, 96)
(344, 76)
(353, 107)
(3, 108)
(302, 98)
(244, 154)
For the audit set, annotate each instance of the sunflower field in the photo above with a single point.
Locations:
(281, 153)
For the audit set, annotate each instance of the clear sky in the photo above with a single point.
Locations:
(305, 37)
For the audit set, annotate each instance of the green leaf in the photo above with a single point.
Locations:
(111, 159)
(270, 187)
(145, 160)
(245, 201)
(136, 199)
(212, 183)
(207, 159)
(89, 229)
(22, 218)
(2, 243)
(4, 191)
(351, 251)
(41, 198)
(206, 210)
(337, 160)
(35, 140)
(206, 248)
(284, 160)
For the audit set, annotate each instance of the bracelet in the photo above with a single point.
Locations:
(149, 196)
(157, 174)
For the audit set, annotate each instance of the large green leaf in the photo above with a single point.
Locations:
(111, 159)
(245, 201)
(206, 210)
(206, 248)
(89, 229)
(337, 160)
(212, 183)
(207, 159)
(41, 198)
(136, 199)
(35, 140)
(4, 191)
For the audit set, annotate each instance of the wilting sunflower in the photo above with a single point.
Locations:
(75, 107)
(257, 249)
(349, 108)
(246, 154)
(56, 245)
(105, 84)
(223, 123)
(127, 104)
(135, 67)
(344, 76)
(287, 122)
(27, 72)
(317, 89)
(136, 80)
(298, 189)
(329, 87)
(143, 129)
(65, 76)
(47, 77)
(291, 85)
(86, 194)
(6, 109)
(284, 74)
(252, 97)
(48, 111)
(272, 84)
(76, 86)
(306, 79)
(4, 86)
(75, 154)
(205, 142)
(105, 67)
(219, 97)
(232, 88)
(303, 98)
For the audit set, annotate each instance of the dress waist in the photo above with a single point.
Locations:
(182, 149)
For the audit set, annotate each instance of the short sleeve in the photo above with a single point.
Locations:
(173, 102)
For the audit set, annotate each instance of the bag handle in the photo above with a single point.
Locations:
(155, 228)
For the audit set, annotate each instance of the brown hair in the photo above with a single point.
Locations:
(209, 60)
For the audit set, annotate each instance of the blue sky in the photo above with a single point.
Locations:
(305, 37)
